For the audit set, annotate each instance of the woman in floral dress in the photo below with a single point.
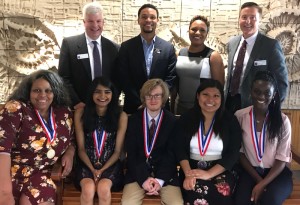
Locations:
(100, 130)
(36, 129)
(207, 142)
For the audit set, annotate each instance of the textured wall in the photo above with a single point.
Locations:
(31, 31)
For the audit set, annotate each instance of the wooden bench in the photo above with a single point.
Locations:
(68, 195)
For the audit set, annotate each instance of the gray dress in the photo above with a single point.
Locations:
(191, 68)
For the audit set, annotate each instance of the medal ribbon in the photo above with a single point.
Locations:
(148, 149)
(49, 128)
(204, 140)
(99, 141)
(258, 144)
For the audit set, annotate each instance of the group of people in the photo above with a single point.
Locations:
(231, 141)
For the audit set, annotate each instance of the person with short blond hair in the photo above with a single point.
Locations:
(151, 166)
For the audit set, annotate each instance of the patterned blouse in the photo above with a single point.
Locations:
(23, 137)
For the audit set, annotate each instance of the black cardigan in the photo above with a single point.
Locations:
(231, 139)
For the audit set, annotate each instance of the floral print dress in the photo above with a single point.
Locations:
(23, 137)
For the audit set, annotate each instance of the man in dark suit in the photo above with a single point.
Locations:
(262, 53)
(144, 57)
(76, 62)
(151, 165)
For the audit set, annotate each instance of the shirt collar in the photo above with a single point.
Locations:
(150, 118)
(145, 42)
(251, 39)
(89, 40)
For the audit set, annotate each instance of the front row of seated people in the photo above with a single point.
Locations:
(224, 158)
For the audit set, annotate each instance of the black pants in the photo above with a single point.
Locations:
(276, 192)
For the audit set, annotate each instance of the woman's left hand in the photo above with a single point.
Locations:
(257, 192)
(67, 161)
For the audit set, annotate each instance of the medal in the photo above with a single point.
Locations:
(260, 170)
(49, 129)
(258, 141)
(202, 164)
(148, 148)
(99, 142)
(50, 153)
(98, 164)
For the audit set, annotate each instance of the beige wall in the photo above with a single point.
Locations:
(31, 31)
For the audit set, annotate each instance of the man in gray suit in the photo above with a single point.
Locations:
(262, 53)
(144, 57)
(76, 61)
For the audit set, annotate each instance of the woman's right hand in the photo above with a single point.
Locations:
(189, 183)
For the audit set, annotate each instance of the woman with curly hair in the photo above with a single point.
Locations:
(36, 129)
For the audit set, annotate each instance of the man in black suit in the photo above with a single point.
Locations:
(151, 165)
(144, 57)
(76, 62)
(261, 53)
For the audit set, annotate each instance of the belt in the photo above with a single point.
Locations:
(198, 157)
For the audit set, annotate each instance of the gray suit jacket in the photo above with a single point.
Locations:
(76, 71)
(264, 48)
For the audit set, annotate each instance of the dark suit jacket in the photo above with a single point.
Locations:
(162, 158)
(264, 48)
(132, 68)
(77, 72)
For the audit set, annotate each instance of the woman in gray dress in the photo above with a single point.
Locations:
(196, 63)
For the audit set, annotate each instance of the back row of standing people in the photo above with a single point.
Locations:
(146, 56)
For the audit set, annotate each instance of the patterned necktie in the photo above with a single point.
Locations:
(151, 131)
(236, 78)
(97, 63)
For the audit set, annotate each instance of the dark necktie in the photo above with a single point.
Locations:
(97, 63)
(151, 131)
(236, 78)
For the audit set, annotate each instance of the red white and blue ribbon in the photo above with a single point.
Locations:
(204, 140)
(99, 141)
(50, 127)
(148, 149)
(258, 143)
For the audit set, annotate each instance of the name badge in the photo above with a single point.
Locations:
(82, 56)
(260, 62)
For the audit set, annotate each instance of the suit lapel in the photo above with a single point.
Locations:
(233, 48)
(255, 51)
(140, 55)
(105, 55)
(156, 52)
(82, 49)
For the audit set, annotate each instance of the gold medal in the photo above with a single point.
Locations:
(50, 153)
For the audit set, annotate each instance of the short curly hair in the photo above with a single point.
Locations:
(201, 18)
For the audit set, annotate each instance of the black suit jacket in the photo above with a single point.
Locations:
(132, 68)
(162, 159)
(77, 72)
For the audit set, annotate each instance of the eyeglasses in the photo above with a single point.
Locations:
(155, 97)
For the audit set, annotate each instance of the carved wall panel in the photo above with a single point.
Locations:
(31, 31)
